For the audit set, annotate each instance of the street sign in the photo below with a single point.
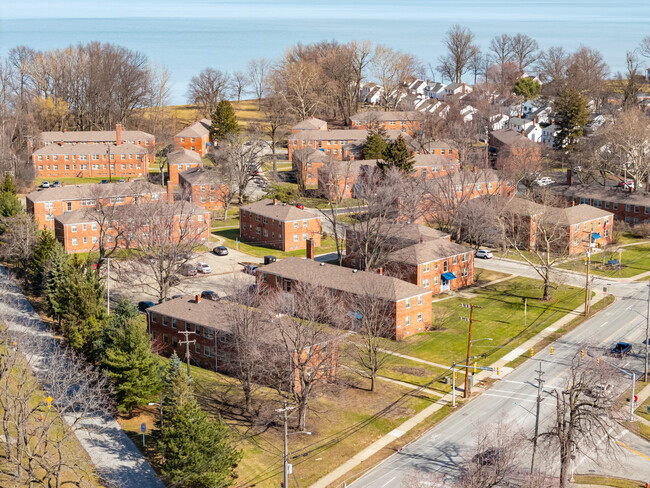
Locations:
(143, 427)
(289, 468)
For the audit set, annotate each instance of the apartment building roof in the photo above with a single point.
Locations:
(198, 176)
(86, 215)
(350, 135)
(311, 123)
(95, 191)
(599, 192)
(425, 252)
(278, 211)
(93, 136)
(310, 155)
(344, 279)
(98, 148)
(511, 137)
(566, 215)
(381, 116)
(199, 128)
(183, 156)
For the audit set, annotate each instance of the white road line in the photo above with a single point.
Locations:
(604, 323)
(382, 486)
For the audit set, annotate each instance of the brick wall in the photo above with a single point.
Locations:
(285, 236)
(173, 170)
(84, 166)
(196, 144)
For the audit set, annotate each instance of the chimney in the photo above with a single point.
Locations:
(65, 130)
(464, 88)
(118, 134)
(311, 249)
(198, 298)
(311, 117)
(535, 121)
(573, 203)
(569, 177)
(428, 81)
(380, 271)
(170, 192)
(275, 201)
(30, 148)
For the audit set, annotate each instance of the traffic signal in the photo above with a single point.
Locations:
(551, 350)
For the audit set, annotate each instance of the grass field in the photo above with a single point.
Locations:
(635, 260)
(587, 479)
(501, 318)
(71, 181)
(230, 236)
(246, 112)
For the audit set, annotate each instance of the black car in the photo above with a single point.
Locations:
(174, 280)
(488, 457)
(144, 305)
(621, 348)
(210, 295)
(220, 251)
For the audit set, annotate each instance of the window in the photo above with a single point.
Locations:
(420, 317)
(164, 320)
(627, 207)
(174, 325)
(464, 273)
(407, 322)
(224, 338)
(182, 139)
(420, 300)
(296, 225)
(84, 226)
(74, 228)
(426, 283)
(445, 266)
(304, 223)
(174, 341)
(636, 209)
(615, 206)
(577, 227)
(435, 265)
(75, 241)
(426, 267)
(304, 237)
(435, 280)
(408, 303)
(165, 340)
(207, 351)
(85, 240)
(455, 259)
(94, 240)
(295, 237)
(49, 205)
(646, 210)
(122, 157)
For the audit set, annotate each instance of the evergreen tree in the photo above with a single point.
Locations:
(375, 147)
(398, 155)
(528, 88)
(224, 121)
(134, 367)
(571, 116)
(8, 185)
(39, 260)
(197, 450)
(54, 280)
(121, 315)
(9, 205)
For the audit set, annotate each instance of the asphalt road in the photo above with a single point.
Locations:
(446, 447)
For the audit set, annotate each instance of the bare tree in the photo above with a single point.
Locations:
(501, 48)
(459, 42)
(19, 239)
(277, 120)
(240, 83)
(524, 51)
(477, 222)
(226, 177)
(299, 83)
(258, 70)
(584, 407)
(207, 89)
(644, 47)
(587, 72)
(392, 68)
(632, 83)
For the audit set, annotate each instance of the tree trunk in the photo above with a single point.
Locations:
(547, 285)
(225, 210)
(372, 381)
(302, 415)
(247, 398)
(565, 461)
(274, 157)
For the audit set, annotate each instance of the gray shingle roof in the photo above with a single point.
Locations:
(87, 215)
(198, 176)
(310, 124)
(343, 279)
(381, 116)
(99, 148)
(511, 137)
(199, 128)
(598, 192)
(280, 211)
(428, 251)
(183, 156)
(566, 215)
(310, 155)
(349, 135)
(94, 136)
(79, 192)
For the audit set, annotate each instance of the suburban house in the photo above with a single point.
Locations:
(201, 187)
(81, 230)
(195, 137)
(92, 160)
(116, 137)
(311, 123)
(181, 160)
(548, 135)
(409, 122)
(44, 204)
(407, 306)
(305, 164)
(631, 207)
(278, 225)
(571, 230)
(508, 141)
(457, 89)
(434, 90)
(214, 341)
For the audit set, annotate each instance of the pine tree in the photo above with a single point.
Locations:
(528, 88)
(39, 260)
(375, 147)
(398, 156)
(55, 277)
(8, 185)
(121, 315)
(134, 367)
(224, 121)
(572, 114)
(9, 203)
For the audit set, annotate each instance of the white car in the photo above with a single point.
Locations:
(544, 181)
(203, 268)
(484, 254)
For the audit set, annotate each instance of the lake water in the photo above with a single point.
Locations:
(187, 36)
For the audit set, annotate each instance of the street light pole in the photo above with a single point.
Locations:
(453, 384)
(647, 337)
(469, 348)
(540, 385)
(587, 283)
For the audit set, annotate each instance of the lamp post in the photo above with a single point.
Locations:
(647, 334)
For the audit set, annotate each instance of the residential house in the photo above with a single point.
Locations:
(454, 89)
(278, 225)
(44, 204)
(548, 135)
(407, 306)
(195, 137)
(499, 121)
(181, 160)
(214, 340)
(508, 141)
(201, 187)
(434, 90)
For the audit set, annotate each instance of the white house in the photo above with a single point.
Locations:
(548, 135)
(417, 87)
(519, 124)
(457, 89)
(534, 133)
(435, 90)
(468, 113)
(499, 121)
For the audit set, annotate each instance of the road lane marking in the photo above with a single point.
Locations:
(382, 486)
(633, 450)
(604, 323)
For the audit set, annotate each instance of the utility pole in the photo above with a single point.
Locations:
(187, 343)
(108, 285)
(471, 307)
(587, 283)
(540, 388)
(453, 384)
(285, 457)
(525, 312)
(647, 336)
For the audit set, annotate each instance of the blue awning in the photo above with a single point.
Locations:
(448, 276)
(595, 235)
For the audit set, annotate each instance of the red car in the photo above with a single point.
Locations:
(300, 206)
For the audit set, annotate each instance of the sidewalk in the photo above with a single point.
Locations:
(384, 441)
(114, 455)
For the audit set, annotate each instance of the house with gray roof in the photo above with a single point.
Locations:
(195, 137)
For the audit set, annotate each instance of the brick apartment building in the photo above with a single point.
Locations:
(214, 347)
(278, 225)
(504, 142)
(195, 137)
(305, 164)
(120, 226)
(441, 148)
(44, 204)
(116, 137)
(407, 306)
(571, 229)
(181, 160)
(410, 122)
(311, 123)
(201, 187)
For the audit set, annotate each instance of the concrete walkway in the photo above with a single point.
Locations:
(117, 461)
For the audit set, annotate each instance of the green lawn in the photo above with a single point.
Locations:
(635, 260)
(72, 181)
(230, 236)
(500, 318)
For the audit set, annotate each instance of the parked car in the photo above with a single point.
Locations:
(56, 184)
(269, 259)
(188, 270)
(545, 180)
(627, 184)
(45, 184)
(250, 269)
(484, 254)
(488, 457)
(621, 348)
(174, 280)
(300, 206)
(176, 296)
(220, 251)
(185, 255)
(104, 182)
(210, 295)
(203, 268)
(144, 305)
(122, 180)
